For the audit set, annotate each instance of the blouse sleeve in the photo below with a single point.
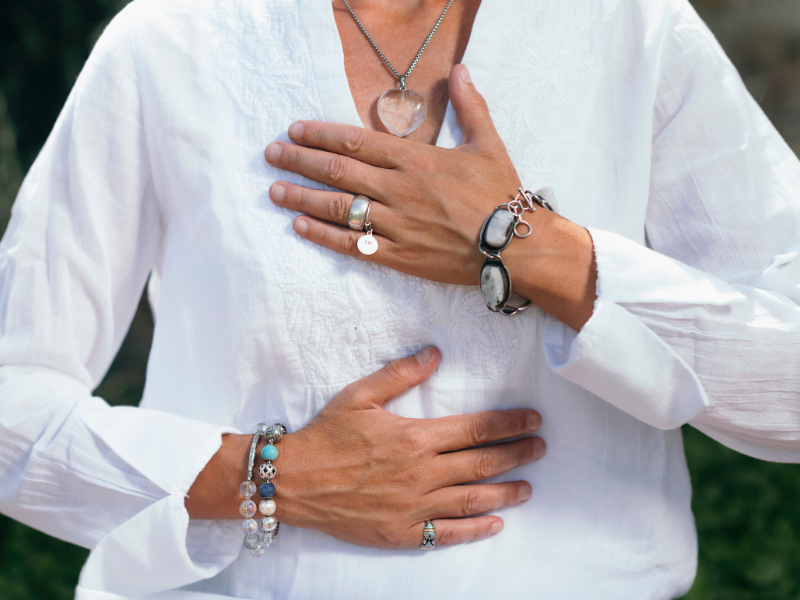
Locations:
(702, 326)
(84, 233)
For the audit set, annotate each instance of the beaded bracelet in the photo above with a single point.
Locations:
(269, 526)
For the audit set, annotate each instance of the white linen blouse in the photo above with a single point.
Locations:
(628, 108)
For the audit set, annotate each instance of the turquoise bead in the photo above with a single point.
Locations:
(269, 452)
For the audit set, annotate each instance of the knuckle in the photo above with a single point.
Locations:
(479, 431)
(296, 197)
(350, 244)
(321, 234)
(478, 102)
(335, 168)
(290, 157)
(354, 140)
(393, 538)
(416, 162)
(446, 537)
(471, 503)
(397, 371)
(416, 438)
(484, 465)
(338, 208)
(528, 451)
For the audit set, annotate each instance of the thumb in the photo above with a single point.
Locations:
(471, 108)
(396, 377)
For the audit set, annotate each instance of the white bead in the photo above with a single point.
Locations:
(267, 507)
(499, 228)
(494, 286)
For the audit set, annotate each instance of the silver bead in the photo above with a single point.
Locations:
(268, 524)
(275, 432)
(267, 471)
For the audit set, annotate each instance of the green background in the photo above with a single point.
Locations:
(747, 512)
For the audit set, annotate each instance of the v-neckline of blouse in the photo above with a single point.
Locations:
(327, 57)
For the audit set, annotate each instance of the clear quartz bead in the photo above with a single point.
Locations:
(247, 508)
(247, 488)
(249, 525)
(259, 550)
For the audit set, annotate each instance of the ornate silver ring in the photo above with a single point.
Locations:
(428, 536)
(359, 212)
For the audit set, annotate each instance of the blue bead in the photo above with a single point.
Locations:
(266, 490)
(269, 452)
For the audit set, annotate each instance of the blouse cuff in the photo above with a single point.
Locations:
(160, 538)
(616, 356)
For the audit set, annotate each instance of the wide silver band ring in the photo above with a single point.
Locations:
(428, 536)
(359, 213)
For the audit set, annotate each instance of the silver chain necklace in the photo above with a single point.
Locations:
(401, 111)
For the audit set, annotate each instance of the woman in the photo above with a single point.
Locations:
(676, 304)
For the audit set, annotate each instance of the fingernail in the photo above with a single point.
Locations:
(465, 76)
(301, 226)
(496, 528)
(295, 130)
(524, 494)
(277, 192)
(533, 422)
(539, 448)
(273, 153)
(424, 355)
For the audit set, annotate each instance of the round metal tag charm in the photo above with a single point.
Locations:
(367, 244)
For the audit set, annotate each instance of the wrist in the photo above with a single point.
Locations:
(294, 482)
(555, 268)
(215, 492)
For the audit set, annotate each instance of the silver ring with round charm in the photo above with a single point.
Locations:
(358, 219)
(359, 212)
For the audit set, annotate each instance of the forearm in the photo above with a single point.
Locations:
(555, 268)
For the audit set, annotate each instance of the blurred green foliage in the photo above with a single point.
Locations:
(747, 513)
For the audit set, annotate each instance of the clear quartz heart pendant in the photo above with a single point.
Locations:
(402, 110)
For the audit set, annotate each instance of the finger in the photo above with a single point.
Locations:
(341, 240)
(457, 531)
(477, 464)
(371, 147)
(470, 500)
(329, 206)
(331, 169)
(465, 431)
(396, 377)
(471, 109)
